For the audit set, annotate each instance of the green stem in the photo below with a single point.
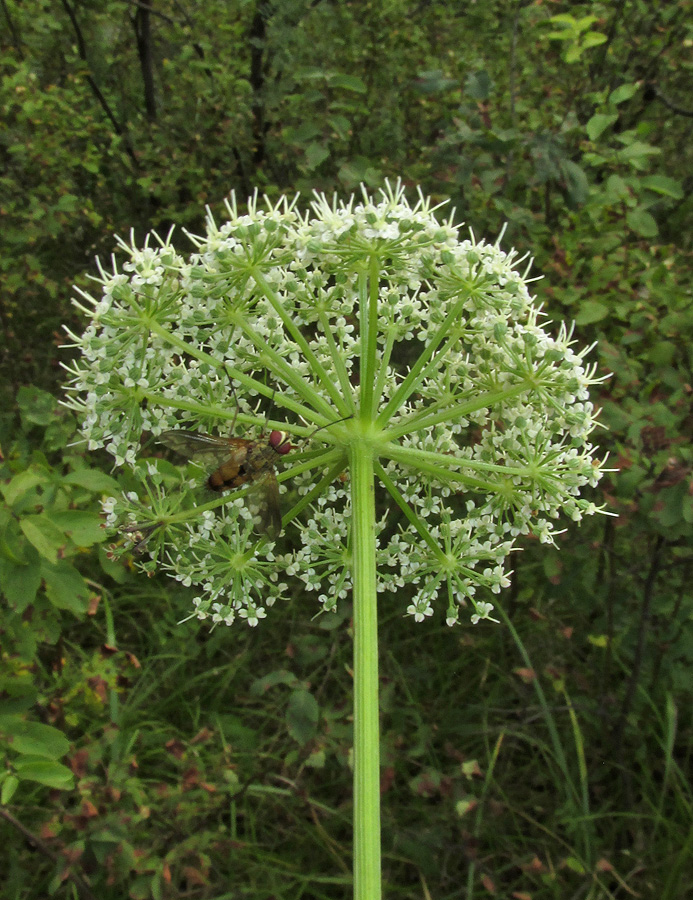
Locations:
(366, 725)
(415, 520)
(276, 363)
(423, 364)
(441, 472)
(421, 420)
(324, 378)
(317, 490)
(336, 355)
(369, 288)
(188, 349)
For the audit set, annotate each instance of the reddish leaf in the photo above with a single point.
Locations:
(99, 686)
(527, 675)
(488, 883)
(202, 736)
(194, 876)
(78, 763)
(387, 777)
(176, 748)
(89, 811)
(536, 865)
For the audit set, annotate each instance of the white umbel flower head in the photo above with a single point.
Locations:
(365, 330)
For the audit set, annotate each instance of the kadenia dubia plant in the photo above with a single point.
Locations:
(395, 337)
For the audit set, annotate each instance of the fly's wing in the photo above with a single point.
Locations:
(263, 502)
(203, 449)
(256, 464)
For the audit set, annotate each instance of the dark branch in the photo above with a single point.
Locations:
(42, 846)
(679, 110)
(81, 49)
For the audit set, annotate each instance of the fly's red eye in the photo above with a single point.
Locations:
(279, 441)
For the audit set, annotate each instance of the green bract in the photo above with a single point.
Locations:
(477, 420)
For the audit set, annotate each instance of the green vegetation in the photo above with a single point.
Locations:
(545, 757)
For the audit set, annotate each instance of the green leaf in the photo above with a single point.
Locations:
(564, 35)
(37, 407)
(434, 81)
(669, 508)
(10, 783)
(567, 20)
(51, 774)
(478, 85)
(341, 127)
(85, 528)
(26, 694)
(13, 544)
(598, 124)
(662, 184)
(599, 640)
(636, 152)
(157, 888)
(302, 716)
(591, 39)
(575, 865)
(235, 732)
(116, 569)
(576, 181)
(33, 738)
(316, 154)
(44, 535)
(93, 480)
(616, 188)
(67, 203)
(687, 509)
(303, 133)
(20, 583)
(462, 807)
(262, 685)
(662, 354)
(22, 483)
(316, 760)
(140, 888)
(591, 311)
(347, 82)
(359, 170)
(641, 222)
(585, 22)
(552, 566)
(623, 92)
(65, 587)
(568, 24)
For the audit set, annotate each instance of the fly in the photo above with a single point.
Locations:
(235, 462)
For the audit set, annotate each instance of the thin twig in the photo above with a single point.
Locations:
(645, 615)
(679, 110)
(82, 51)
(57, 858)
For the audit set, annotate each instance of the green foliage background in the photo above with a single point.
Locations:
(545, 758)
